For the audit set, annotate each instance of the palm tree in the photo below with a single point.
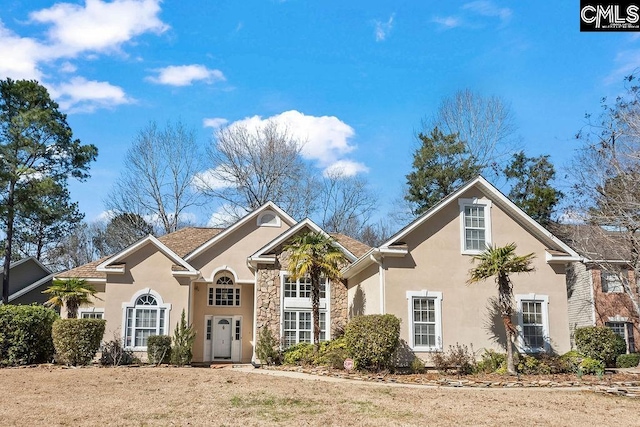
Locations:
(71, 293)
(314, 254)
(499, 262)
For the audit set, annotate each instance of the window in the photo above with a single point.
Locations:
(224, 293)
(625, 330)
(298, 327)
(475, 225)
(611, 282)
(301, 288)
(145, 317)
(425, 316)
(533, 322)
(268, 219)
(91, 313)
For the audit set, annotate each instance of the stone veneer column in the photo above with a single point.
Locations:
(268, 300)
(339, 302)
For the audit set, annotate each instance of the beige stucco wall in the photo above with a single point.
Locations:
(364, 292)
(146, 268)
(435, 263)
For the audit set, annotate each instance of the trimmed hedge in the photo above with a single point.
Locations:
(600, 343)
(25, 334)
(159, 349)
(372, 340)
(77, 340)
(628, 360)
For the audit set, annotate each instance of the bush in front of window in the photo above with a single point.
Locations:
(268, 348)
(630, 360)
(77, 341)
(372, 340)
(299, 354)
(591, 366)
(183, 338)
(572, 360)
(491, 361)
(25, 334)
(114, 354)
(600, 343)
(159, 349)
(458, 358)
(332, 353)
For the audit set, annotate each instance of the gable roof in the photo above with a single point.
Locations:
(557, 250)
(34, 285)
(244, 220)
(186, 240)
(259, 256)
(354, 246)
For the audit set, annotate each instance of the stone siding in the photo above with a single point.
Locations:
(268, 299)
(339, 307)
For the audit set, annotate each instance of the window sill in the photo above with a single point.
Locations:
(427, 349)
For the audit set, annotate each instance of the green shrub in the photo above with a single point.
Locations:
(159, 349)
(183, 338)
(114, 354)
(591, 366)
(572, 360)
(77, 340)
(628, 360)
(491, 361)
(417, 366)
(372, 340)
(25, 334)
(600, 343)
(268, 349)
(457, 358)
(299, 354)
(332, 353)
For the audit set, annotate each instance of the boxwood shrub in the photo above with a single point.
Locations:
(25, 334)
(77, 340)
(159, 349)
(628, 360)
(600, 343)
(372, 340)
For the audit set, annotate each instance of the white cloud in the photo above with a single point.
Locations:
(185, 75)
(98, 26)
(68, 67)
(447, 21)
(488, 8)
(225, 216)
(627, 62)
(212, 179)
(20, 56)
(214, 122)
(325, 138)
(345, 168)
(382, 29)
(81, 95)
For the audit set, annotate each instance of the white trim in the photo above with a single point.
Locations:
(227, 231)
(276, 224)
(437, 297)
(132, 303)
(255, 318)
(258, 256)
(233, 272)
(31, 287)
(214, 285)
(544, 300)
(29, 258)
(82, 310)
(593, 300)
(104, 266)
(462, 204)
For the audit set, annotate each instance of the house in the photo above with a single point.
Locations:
(230, 282)
(420, 275)
(233, 282)
(601, 286)
(27, 279)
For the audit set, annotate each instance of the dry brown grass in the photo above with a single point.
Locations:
(224, 397)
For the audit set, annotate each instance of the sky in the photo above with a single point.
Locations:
(355, 79)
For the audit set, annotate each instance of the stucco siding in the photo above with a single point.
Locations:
(364, 292)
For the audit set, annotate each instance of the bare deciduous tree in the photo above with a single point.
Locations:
(485, 124)
(254, 166)
(157, 180)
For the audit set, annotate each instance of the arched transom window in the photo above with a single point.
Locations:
(224, 293)
(145, 317)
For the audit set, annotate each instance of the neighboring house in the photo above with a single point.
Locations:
(231, 283)
(420, 275)
(27, 279)
(598, 287)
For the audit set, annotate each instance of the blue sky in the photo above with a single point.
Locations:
(357, 77)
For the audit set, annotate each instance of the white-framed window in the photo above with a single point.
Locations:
(611, 282)
(91, 313)
(475, 225)
(301, 288)
(297, 327)
(268, 219)
(144, 316)
(533, 323)
(224, 293)
(425, 320)
(625, 330)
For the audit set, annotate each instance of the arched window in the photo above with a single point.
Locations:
(145, 316)
(268, 219)
(224, 293)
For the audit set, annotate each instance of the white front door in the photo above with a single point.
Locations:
(222, 338)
